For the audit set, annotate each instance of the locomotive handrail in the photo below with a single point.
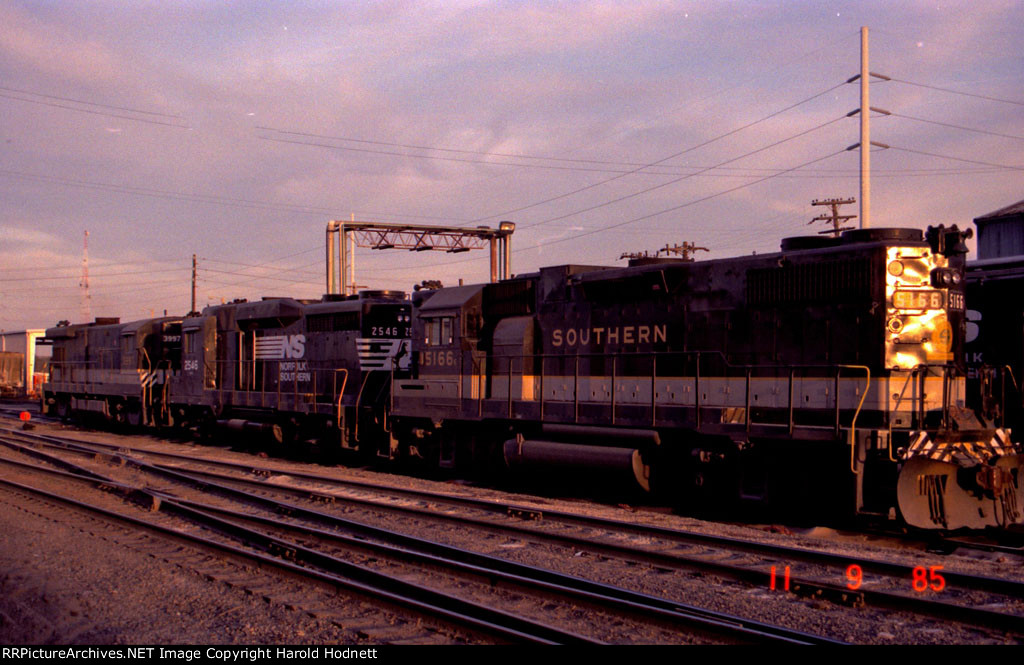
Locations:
(899, 399)
(853, 422)
(694, 360)
(341, 394)
(359, 398)
(144, 398)
(1002, 397)
(1012, 377)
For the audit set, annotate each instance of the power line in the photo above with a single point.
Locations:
(99, 264)
(93, 112)
(110, 274)
(550, 167)
(80, 101)
(966, 129)
(450, 150)
(958, 92)
(54, 292)
(204, 198)
(958, 159)
(639, 168)
(674, 208)
(661, 161)
(638, 165)
(650, 215)
(250, 265)
(676, 180)
(831, 47)
(255, 277)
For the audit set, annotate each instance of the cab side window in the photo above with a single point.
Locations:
(439, 331)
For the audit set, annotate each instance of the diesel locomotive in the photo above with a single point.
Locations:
(829, 374)
(281, 368)
(995, 335)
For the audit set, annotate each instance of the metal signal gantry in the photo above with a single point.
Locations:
(412, 237)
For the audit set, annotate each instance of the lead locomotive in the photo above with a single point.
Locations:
(829, 373)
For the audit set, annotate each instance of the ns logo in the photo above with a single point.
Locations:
(973, 325)
(279, 347)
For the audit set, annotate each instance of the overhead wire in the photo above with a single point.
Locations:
(95, 112)
(952, 126)
(957, 92)
(783, 173)
(205, 198)
(674, 208)
(958, 159)
(251, 265)
(665, 159)
(82, 101)
(680, 179)
(92, 275)
(646, 190)
(830, 47)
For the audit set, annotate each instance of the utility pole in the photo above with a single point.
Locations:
(835, 217)
(865, 129)
(684, 251)
(865, 134)
(193, 284)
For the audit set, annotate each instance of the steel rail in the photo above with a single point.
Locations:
(783, 553)
(578, 589)
(388, 589)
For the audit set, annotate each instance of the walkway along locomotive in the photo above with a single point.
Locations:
(829, 374)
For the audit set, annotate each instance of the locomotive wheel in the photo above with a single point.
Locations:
(133, 415)
(63, 409)
(117, 412)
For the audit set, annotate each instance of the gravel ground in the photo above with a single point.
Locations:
(69, 581)
(65, 583)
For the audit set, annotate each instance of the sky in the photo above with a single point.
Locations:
(236, 130)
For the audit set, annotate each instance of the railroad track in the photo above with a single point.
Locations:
(991, 603)
(291, 541)
(277, 557)
(1009, 543)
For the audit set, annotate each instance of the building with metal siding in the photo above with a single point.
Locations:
(35, 361)
(1001, 232)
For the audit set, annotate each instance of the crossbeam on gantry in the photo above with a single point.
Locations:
(410, 237)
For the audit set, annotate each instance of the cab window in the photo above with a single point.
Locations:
(439, 331)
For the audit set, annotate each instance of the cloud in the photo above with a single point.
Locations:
(55, 49)
(13, 235)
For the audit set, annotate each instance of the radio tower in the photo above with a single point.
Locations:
(84, 282)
